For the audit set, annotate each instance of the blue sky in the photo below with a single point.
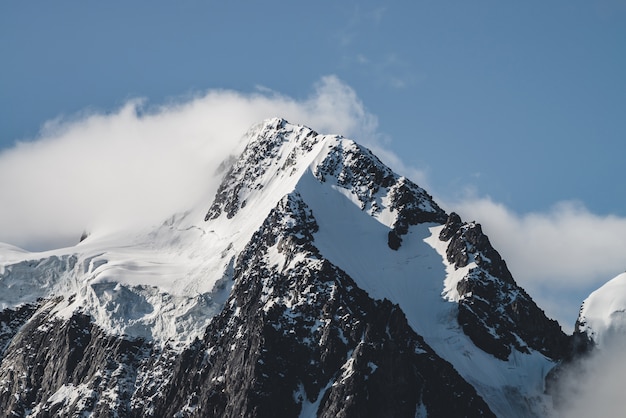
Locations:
(523, 102)
(514, 113)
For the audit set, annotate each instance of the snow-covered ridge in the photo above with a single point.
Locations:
(413, 277)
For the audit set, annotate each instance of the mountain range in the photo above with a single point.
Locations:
(316, 282)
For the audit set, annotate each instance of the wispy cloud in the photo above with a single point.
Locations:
(388, 69)
(358, 19)
(381, 62)
(140, 164)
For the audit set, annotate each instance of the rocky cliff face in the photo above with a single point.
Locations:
(64, 367)
(301, 331)
(494, 311)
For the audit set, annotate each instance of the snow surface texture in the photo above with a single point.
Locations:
(148, 285)
(166, 284)
(603, 314)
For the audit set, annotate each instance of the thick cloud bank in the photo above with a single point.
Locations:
(137, 166)
(594, 386)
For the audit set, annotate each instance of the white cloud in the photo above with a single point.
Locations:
(593, 386)
(138, 165)
(558, 256)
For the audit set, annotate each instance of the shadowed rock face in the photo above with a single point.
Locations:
(70, 358)
(11, 320)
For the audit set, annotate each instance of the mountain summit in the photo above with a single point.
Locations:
(316, 283)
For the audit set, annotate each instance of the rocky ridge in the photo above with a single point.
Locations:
(497, 314)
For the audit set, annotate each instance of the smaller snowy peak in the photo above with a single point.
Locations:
(497, 314)
(603, 314)
(275, 148)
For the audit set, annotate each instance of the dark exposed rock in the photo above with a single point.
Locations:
(83, 236)
(49, 355)
(394, 241)
(11, 320)
(258, 157)
(469, 240)
(452, 225)
(414, 206)
(494, 311)
(355, 168)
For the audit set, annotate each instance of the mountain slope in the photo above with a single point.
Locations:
(319, 283)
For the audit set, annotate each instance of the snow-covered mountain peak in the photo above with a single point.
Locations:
(276, 154)
(603, 314)
(309, 239)
(279, 154)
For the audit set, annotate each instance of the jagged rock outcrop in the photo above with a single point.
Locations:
(257, 160)
(497, 314)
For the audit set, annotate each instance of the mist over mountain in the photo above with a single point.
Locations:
(310, 280)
